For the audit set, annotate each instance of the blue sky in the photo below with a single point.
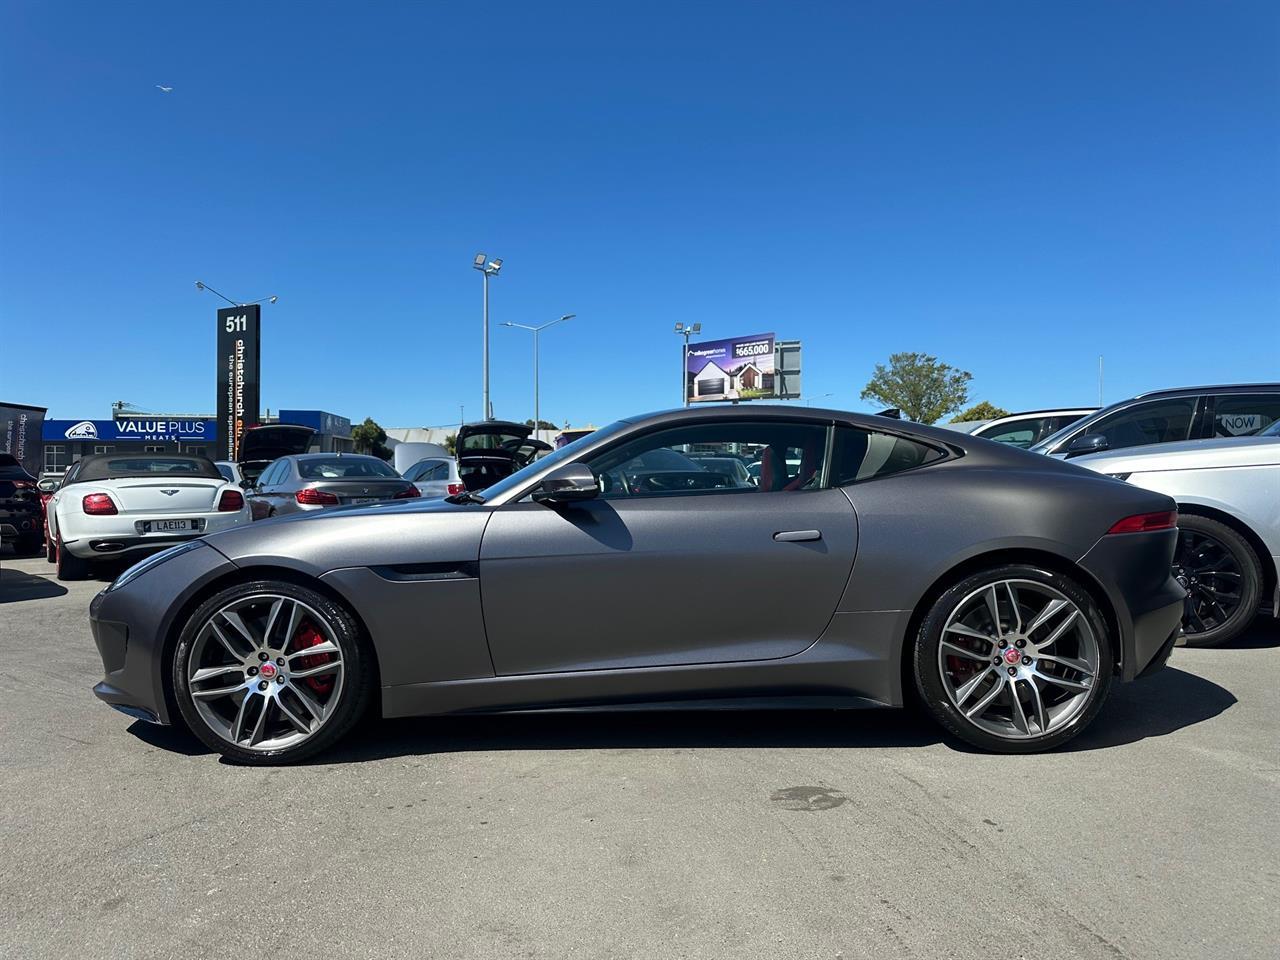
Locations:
(1014, 187)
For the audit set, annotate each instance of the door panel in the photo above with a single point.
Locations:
(663, 580)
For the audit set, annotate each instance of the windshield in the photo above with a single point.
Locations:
(566, 454)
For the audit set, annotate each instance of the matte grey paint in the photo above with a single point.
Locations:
(513, 604)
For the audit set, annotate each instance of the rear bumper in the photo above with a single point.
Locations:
(1135, 571)
(96, 537)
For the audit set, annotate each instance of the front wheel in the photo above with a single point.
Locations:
(1222, 577)
(1015, 659)
(271, 672)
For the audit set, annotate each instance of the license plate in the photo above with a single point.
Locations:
(170, 526)
(364, 499)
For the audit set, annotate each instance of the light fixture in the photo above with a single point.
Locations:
(479, 261)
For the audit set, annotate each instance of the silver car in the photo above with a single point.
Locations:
(313, 481)
(436, 477)
(1228, 495)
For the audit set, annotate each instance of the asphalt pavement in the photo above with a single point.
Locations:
(722, 835)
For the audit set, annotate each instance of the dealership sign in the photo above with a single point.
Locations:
(239, 378)
(20, 433)
(138, 429)
(737, 369)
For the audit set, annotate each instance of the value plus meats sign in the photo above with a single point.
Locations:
(239, 377)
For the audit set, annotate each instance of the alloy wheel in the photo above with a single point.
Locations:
(1210, 573)
(1018, 658)
(265, 672)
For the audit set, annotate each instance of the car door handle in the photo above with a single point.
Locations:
(794, 536)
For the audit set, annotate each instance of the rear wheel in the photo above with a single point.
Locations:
(70, 567)
(271, 672)
(1015, 659)
(50, 550)
(1221, 574)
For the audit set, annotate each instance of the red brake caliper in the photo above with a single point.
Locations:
(309, 636)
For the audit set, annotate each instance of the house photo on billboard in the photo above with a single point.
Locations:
(737, 369)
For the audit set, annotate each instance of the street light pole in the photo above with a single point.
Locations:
(489, 268)
(201, 285)
(537, 413)
(686, 330)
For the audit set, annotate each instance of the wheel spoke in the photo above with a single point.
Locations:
(1058, 631)
(993, 608)
(217, 692)
(238, 625)
(1051, 610)
(301, 725)
(313, 708)
(987, 697)
(953, 647)
(237, 727)
(961, 629)
(971, 685)
(271, 623)
(295, 619)
(226, 641)
(1079, 666)
(1037, 701)
(260, 725)
(1013, 603)
(1018, 714)
(1063, 682)
(318, 650)
(208, 673)
(336, 665)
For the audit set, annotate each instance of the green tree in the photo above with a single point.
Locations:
(371, 438)
(451, 444)
(921, 386)
(980, 411)
(542, 424)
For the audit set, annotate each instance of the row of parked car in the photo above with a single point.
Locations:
(1215, 450)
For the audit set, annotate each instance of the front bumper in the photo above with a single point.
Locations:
(1135, 570)
(132, 625)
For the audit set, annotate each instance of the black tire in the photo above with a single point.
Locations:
(70, 567)
(50, 551)
(928, 677)
(28, 544)
(354, 695)
(1250, 579)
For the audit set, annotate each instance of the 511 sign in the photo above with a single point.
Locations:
(239, 375)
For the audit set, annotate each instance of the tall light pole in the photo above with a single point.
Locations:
(489, 268)
(537, 418)
(686, 330)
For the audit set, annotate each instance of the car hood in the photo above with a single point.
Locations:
(1186, 455)
(385, 536)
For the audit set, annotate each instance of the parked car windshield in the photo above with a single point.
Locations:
(344, 468)
(566, 454)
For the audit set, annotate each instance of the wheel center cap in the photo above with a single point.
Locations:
(1012, 656)
(268, 670)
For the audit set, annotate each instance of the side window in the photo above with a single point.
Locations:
(864, 454)
(1021, 433)
(227, 473)
(1239, 415)
(1157, 421)
(699, 459)
(273, 474)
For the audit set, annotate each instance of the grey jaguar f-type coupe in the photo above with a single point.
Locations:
(864, 561)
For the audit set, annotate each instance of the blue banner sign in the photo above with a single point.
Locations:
(140, 430)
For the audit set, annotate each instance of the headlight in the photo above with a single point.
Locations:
(1119, 476)
(142, 566)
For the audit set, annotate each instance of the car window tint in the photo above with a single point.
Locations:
(1021, 433)
(1157, 421)
(344, 468)
(1240, 415)
(705, 458)
(865, 454)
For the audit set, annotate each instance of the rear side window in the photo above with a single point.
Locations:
(1157, 421)
(1241, 415)
(865, 454)
(227, 473)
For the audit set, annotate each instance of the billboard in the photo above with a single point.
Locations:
(239, 376)
(138, 429)
(738, 369)
(21, 427)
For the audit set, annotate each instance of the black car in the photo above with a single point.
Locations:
(21, 520)
(262, 446)
(493, 450)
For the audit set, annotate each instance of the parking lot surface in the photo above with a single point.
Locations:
(763, 834)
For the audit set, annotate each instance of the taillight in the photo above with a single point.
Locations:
(230, 501)
(408, 494)
(311, 497)
(24, 484)
(1147, 522)
(99, 505)
(456, 488)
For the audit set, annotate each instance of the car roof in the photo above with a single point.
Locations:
(331, 456)
(1212, 388)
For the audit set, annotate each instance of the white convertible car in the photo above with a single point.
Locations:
(1228, 493)
(122, 504)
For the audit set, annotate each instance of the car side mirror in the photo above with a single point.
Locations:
(47, 486)
(1087, 443)
(569, 483)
